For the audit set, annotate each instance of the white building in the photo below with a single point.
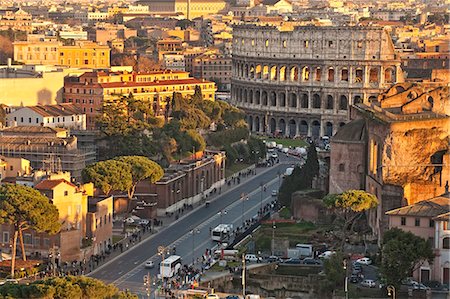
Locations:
(60, 115)
(174, 62)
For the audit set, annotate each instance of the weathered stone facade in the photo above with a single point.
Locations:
(302, 81)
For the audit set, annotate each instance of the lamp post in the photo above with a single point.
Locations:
(244, 197)
(163, 250)
(391, 291)
(346, 278)
(193, 232)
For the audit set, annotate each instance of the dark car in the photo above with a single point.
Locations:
(273, 258)
(232, 297)
(435, 285)
(354, 278)
(293, 261)
(311, 261)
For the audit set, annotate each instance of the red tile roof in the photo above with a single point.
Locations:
(157, 83)
(51, 184)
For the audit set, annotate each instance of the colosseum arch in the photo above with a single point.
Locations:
(316, 101)
(344, 75)
(315, 128)
(293, 100)
(305, 101)
(283, 73)
(250, 96)
(292, 128)
(359, 75)
(343, 103)
(257, 124)
(373, 75)
(389, 75)
(330, 102)
(357, 99)
(252, 71)
(272, 125)
(273, 98)
(305, 73)
(258, 70)
(303, 128)
(250, 122)
(265, 72)
(264, 98)
(246, 69)
(245, 96)
(331, 74)
(294, 74)
(328, 129)
(273, 73)
(282, 126)
(282, 99)
(257, 97)
(372, 99)
(318, 77)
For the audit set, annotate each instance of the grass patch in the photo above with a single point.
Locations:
(217, 268)
(287, 142)
(285, 213)
(116, 239)
(234, 168)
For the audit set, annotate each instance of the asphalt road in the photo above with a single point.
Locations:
(127, 270)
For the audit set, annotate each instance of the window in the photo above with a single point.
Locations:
(284, 44)
(27, 239)
(342, 167)
(6, 237)
(306, 44)
(417, 222)
(66, 193)
(446, 243)
(267, 43)
(431, 224)
(403, 221)
(29, 120)
(330, 43)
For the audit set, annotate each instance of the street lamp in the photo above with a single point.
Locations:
(163, 250)
(391, 291)
(244, 197)
(193, 232)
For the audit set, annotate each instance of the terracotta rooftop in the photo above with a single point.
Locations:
(425, 208)
(157, 83)
(51, 184)
(55, 110)
(32, 129)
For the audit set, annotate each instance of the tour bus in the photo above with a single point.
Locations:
(170, 266)
(222, 233)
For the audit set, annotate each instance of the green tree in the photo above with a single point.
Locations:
(401, 254)
(26, 208)
(197, 96)
(334, 271)
(348, 207)
(109, 175)
(312, 162)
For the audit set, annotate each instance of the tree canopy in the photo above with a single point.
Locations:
(74, 287)
(402, 253)
(26, 208)
(109, 175)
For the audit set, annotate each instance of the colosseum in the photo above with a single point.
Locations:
(301, 81)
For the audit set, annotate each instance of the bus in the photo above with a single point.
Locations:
(222, 233)
(170, 266)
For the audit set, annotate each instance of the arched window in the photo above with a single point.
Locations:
(330, 75)
(293, 100)
(305, 73)
(389, 75)
(344, 75)
(318, 74)
(358, 75)
(294, 74)
(343, 103)
(373, 75)
(282, 99)
(273, 73)
(257, 97)
(330, 102)
(252, 72)
(264, 98)
(283, 75)
(305, 101)
(273, 99)
(258, 71)
(316, 101)
(266, 72)
(357, 99)
(446, 243)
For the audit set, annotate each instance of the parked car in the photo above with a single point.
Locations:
(409, 281)
(149, 264)
(293, 261)
(311, 261)
(354, 278)
(252, 258)
(419, 286)
(369, 283)
(273, 258)
(274, 192)
(143, 222)
(327, 254)
(364, 261)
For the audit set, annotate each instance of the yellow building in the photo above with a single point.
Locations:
(12, 167)
(191, 9)
(84, 54)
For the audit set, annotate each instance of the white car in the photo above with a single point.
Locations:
(129, 220)
(368, 283)
(252, 258)
(364, 261)
(327, 254)
(274, 192)
(274, 155)
(149, 264)
(143, 222)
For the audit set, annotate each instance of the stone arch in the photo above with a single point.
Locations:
(294, 74)
(303, 128)
(305, 73)
(357, 99)
(331, 74)
(318, 74)
(245, 96)
(272, 125)
(252, 71)
(330, 102)
(241, 95)
(273, 98)
(250, 96)
(282, 126)
(293, 100)
(283, 73)
(305, 101)
(344, 74)
(258, 70)
(264, 98)
(250, 122)
(359, 77)
(343, 103)
(282, 99)
(373, 75)
(273, 73)
(265, 73)
(257, 124)
(315, 128)
(328, 129)
(292, 128)
(246, 69)
(372, 99)
(389, 75)
(316, 101)
(257, 97)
